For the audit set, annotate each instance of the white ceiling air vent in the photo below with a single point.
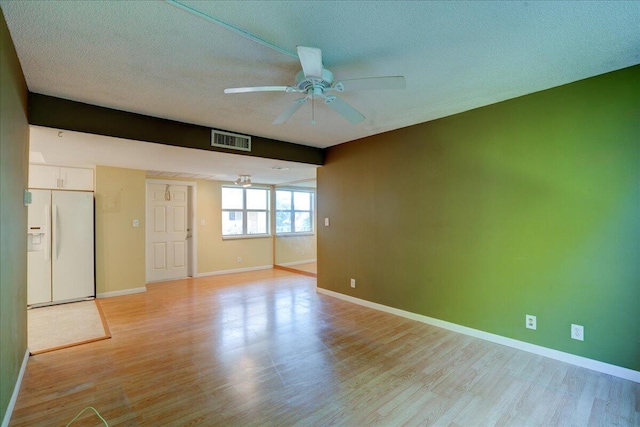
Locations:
(230, 140)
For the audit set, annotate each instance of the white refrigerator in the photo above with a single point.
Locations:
(60, 247)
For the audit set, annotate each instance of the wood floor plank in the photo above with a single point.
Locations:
(263, 348)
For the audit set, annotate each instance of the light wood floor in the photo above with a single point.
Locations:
(262, 348)
(308, 269)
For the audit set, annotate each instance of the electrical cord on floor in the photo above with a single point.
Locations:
(94, 410)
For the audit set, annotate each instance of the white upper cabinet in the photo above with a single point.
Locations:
(76, 179)
(62, 178)
(43, 176)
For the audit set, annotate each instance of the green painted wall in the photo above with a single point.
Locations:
(529, 206)
(14, 160)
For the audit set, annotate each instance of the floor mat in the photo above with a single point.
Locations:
(65, 325)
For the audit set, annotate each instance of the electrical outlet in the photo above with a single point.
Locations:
(353, 283)
(239, 259)
(577, 332)
(530, 321)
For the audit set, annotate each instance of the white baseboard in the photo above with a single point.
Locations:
(594, 365)
(16, 390)
(235, 270)
(122, 292)
(289, 264)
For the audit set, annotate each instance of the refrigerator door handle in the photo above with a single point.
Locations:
(47, 232)
(56, 231)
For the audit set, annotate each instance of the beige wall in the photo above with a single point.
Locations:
(14, 160)
(216, 254)
(295, 249)
(120, 248)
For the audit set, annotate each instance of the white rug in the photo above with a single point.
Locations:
(65, 325)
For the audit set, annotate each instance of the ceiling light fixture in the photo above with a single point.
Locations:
(244, 180)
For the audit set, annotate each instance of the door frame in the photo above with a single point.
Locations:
(192, 205)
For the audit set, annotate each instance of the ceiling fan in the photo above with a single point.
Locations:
(316, 82)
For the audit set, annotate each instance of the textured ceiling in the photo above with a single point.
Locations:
(156, 59)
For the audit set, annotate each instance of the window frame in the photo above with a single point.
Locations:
(293, 211)
(245, 211)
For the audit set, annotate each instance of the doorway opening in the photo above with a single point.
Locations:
(295, 226)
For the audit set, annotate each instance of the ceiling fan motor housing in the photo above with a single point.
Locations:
(314, 85)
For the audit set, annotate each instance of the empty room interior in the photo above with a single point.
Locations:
(321, 213)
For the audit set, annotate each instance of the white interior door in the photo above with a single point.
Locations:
(167, 232)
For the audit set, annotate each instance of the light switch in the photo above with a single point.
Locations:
(136, 223)
(202, 222)
(326, 222)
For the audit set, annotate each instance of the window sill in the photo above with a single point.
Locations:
(295, 234)
(247, 236)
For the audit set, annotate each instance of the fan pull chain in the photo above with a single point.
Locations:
(313, 110)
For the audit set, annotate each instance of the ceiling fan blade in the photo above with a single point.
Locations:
(311, 60)
(391, 82)
(344, 109)
(290, 111)
(259, 89)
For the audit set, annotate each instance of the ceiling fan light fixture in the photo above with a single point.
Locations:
(244, 180)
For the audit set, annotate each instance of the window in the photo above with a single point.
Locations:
(294, 211)
(245, 211)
